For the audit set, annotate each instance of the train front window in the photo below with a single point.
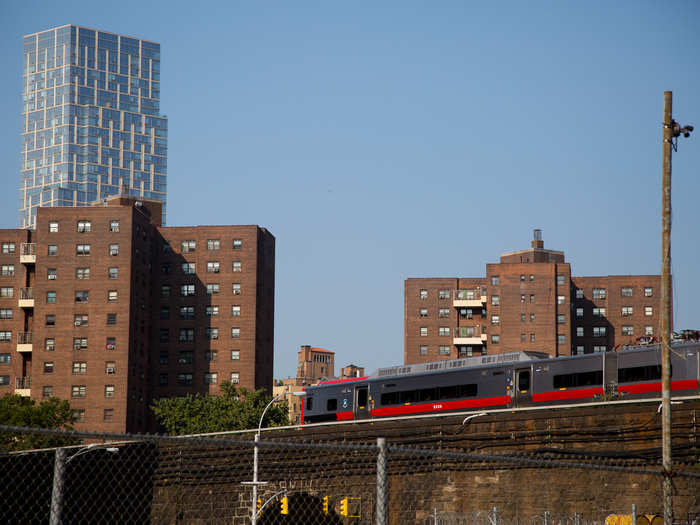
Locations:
(332, 405)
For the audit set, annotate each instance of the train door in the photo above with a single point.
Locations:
(523, 386)
(361, 402)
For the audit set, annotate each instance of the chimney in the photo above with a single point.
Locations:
(537, 241)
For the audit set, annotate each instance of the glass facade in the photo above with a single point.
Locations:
(91, 123)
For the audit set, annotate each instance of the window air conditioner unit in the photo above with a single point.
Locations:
(110, 370)
(78, 323)
(110, 347)
(52, 277)
(76, 347)
(49, 348)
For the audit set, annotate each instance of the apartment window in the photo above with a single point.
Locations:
(52, 250)
(163, 379)
(79, 367)
(47, 391)
(188, 246)
(532, 277)
(495, 339)
(164, 313)
(444, 350)
(5, 336)
(108, 414)
(213, 244)
(164, 335)
(77, 391)
(114, 249)
(237, 244)
(424, 331)
(523, 337)
(112, 296)
(626, 292)
(522, 298)
(423, 312)
(49, 344)
(235, 378)
(84, 226)
(561, 318)
(185, 357)
(50, 297)
(532, 318)
(163, 357)
(211, 333)
(187, 312)
(6, 313)
(561, 299)
(7, 270)
(188, 268)
(212, 288)
(648, 291)
(187, 290)
(522, 318)
(627, 311)
(114, 226)
(236, 288)
(423, 350)
(184, 379)
(213, 267)
(561, 339)
(110, 367)
(466, 313)
(495, 300)
(598, 312)
(443, 294)
(8, 247)
(80, 343)
(210, 355)
(51, 320)
(111, 343)
(599, 348)
(648, 330)
(235, 311)
(51, 274)
(532, 297)
(80, 320)
(444, 312)
(423, 294)
(579, 350)
(599, 331)
(579, 331)
(495, 319)
(48, 367)
(579, 293)
(82, 296)
(211, 378)
(53, 227)
(522, 277)
(79, 415)
(235, 333)
(186, 335)
(627, 330)
(111, 319)
(561, 280)
(213, 311)
(579, 313)
(648, 311)
(444, 331)
(82, 249)
(165, 269)
(495, 281)
(235, 355)
(236, 266)
(113, 273)
(5, 359)
(82, 274)
(599, 293)
(165, 290)
(7, 291)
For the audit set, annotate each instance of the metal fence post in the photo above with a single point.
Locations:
(59, 470)
(546, 517)
(381, 481)
(634, 513)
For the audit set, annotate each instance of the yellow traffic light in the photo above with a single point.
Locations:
(325, 504)
(344, 506)
(284, 505)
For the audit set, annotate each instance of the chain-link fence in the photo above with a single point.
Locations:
(238, 479)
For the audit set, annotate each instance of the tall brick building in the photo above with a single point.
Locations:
(103, 306)
(527, 301)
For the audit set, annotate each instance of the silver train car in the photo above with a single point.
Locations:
(510, 380)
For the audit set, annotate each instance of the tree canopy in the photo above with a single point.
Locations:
(20, 411)
(233, 409)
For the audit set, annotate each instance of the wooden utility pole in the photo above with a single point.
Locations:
(666, 310)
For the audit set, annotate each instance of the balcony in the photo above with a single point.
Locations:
(23, 386)
(26, 297)
(470, 298)
(27, 253)
(24, 342)
(469, 335)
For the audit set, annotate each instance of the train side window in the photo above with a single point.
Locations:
(594, 377)
(639, 373)
(427, 394)
(332, 405)
(362, 397)
(524, 380)
(466, 391)
(448, 392)
(408, 396)
(309, 403)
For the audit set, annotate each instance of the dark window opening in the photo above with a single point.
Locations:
(594, 377)
(429, 394)
(639, 373)
(309, 403)
(362, 397)
(332, 405)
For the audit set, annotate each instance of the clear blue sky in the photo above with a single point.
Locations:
(386, 140)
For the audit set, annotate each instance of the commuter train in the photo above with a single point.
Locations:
(517, 379)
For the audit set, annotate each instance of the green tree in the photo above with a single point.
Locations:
(19, 411)
(233, 409)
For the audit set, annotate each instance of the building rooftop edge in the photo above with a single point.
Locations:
(529, 250)
(91, 29)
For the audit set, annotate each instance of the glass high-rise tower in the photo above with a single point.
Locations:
(91, 123)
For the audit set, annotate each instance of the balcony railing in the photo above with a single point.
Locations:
(470, 335)
(27, 252)
(470, 297)
(26, 293)
(22, 383)
(24, 338)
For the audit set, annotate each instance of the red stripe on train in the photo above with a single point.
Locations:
(343, 416)
(346, 380)
(560, 395)
(644, 388)
(439, 406)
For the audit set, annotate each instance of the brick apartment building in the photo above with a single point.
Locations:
(106, 308)
(527, 301)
